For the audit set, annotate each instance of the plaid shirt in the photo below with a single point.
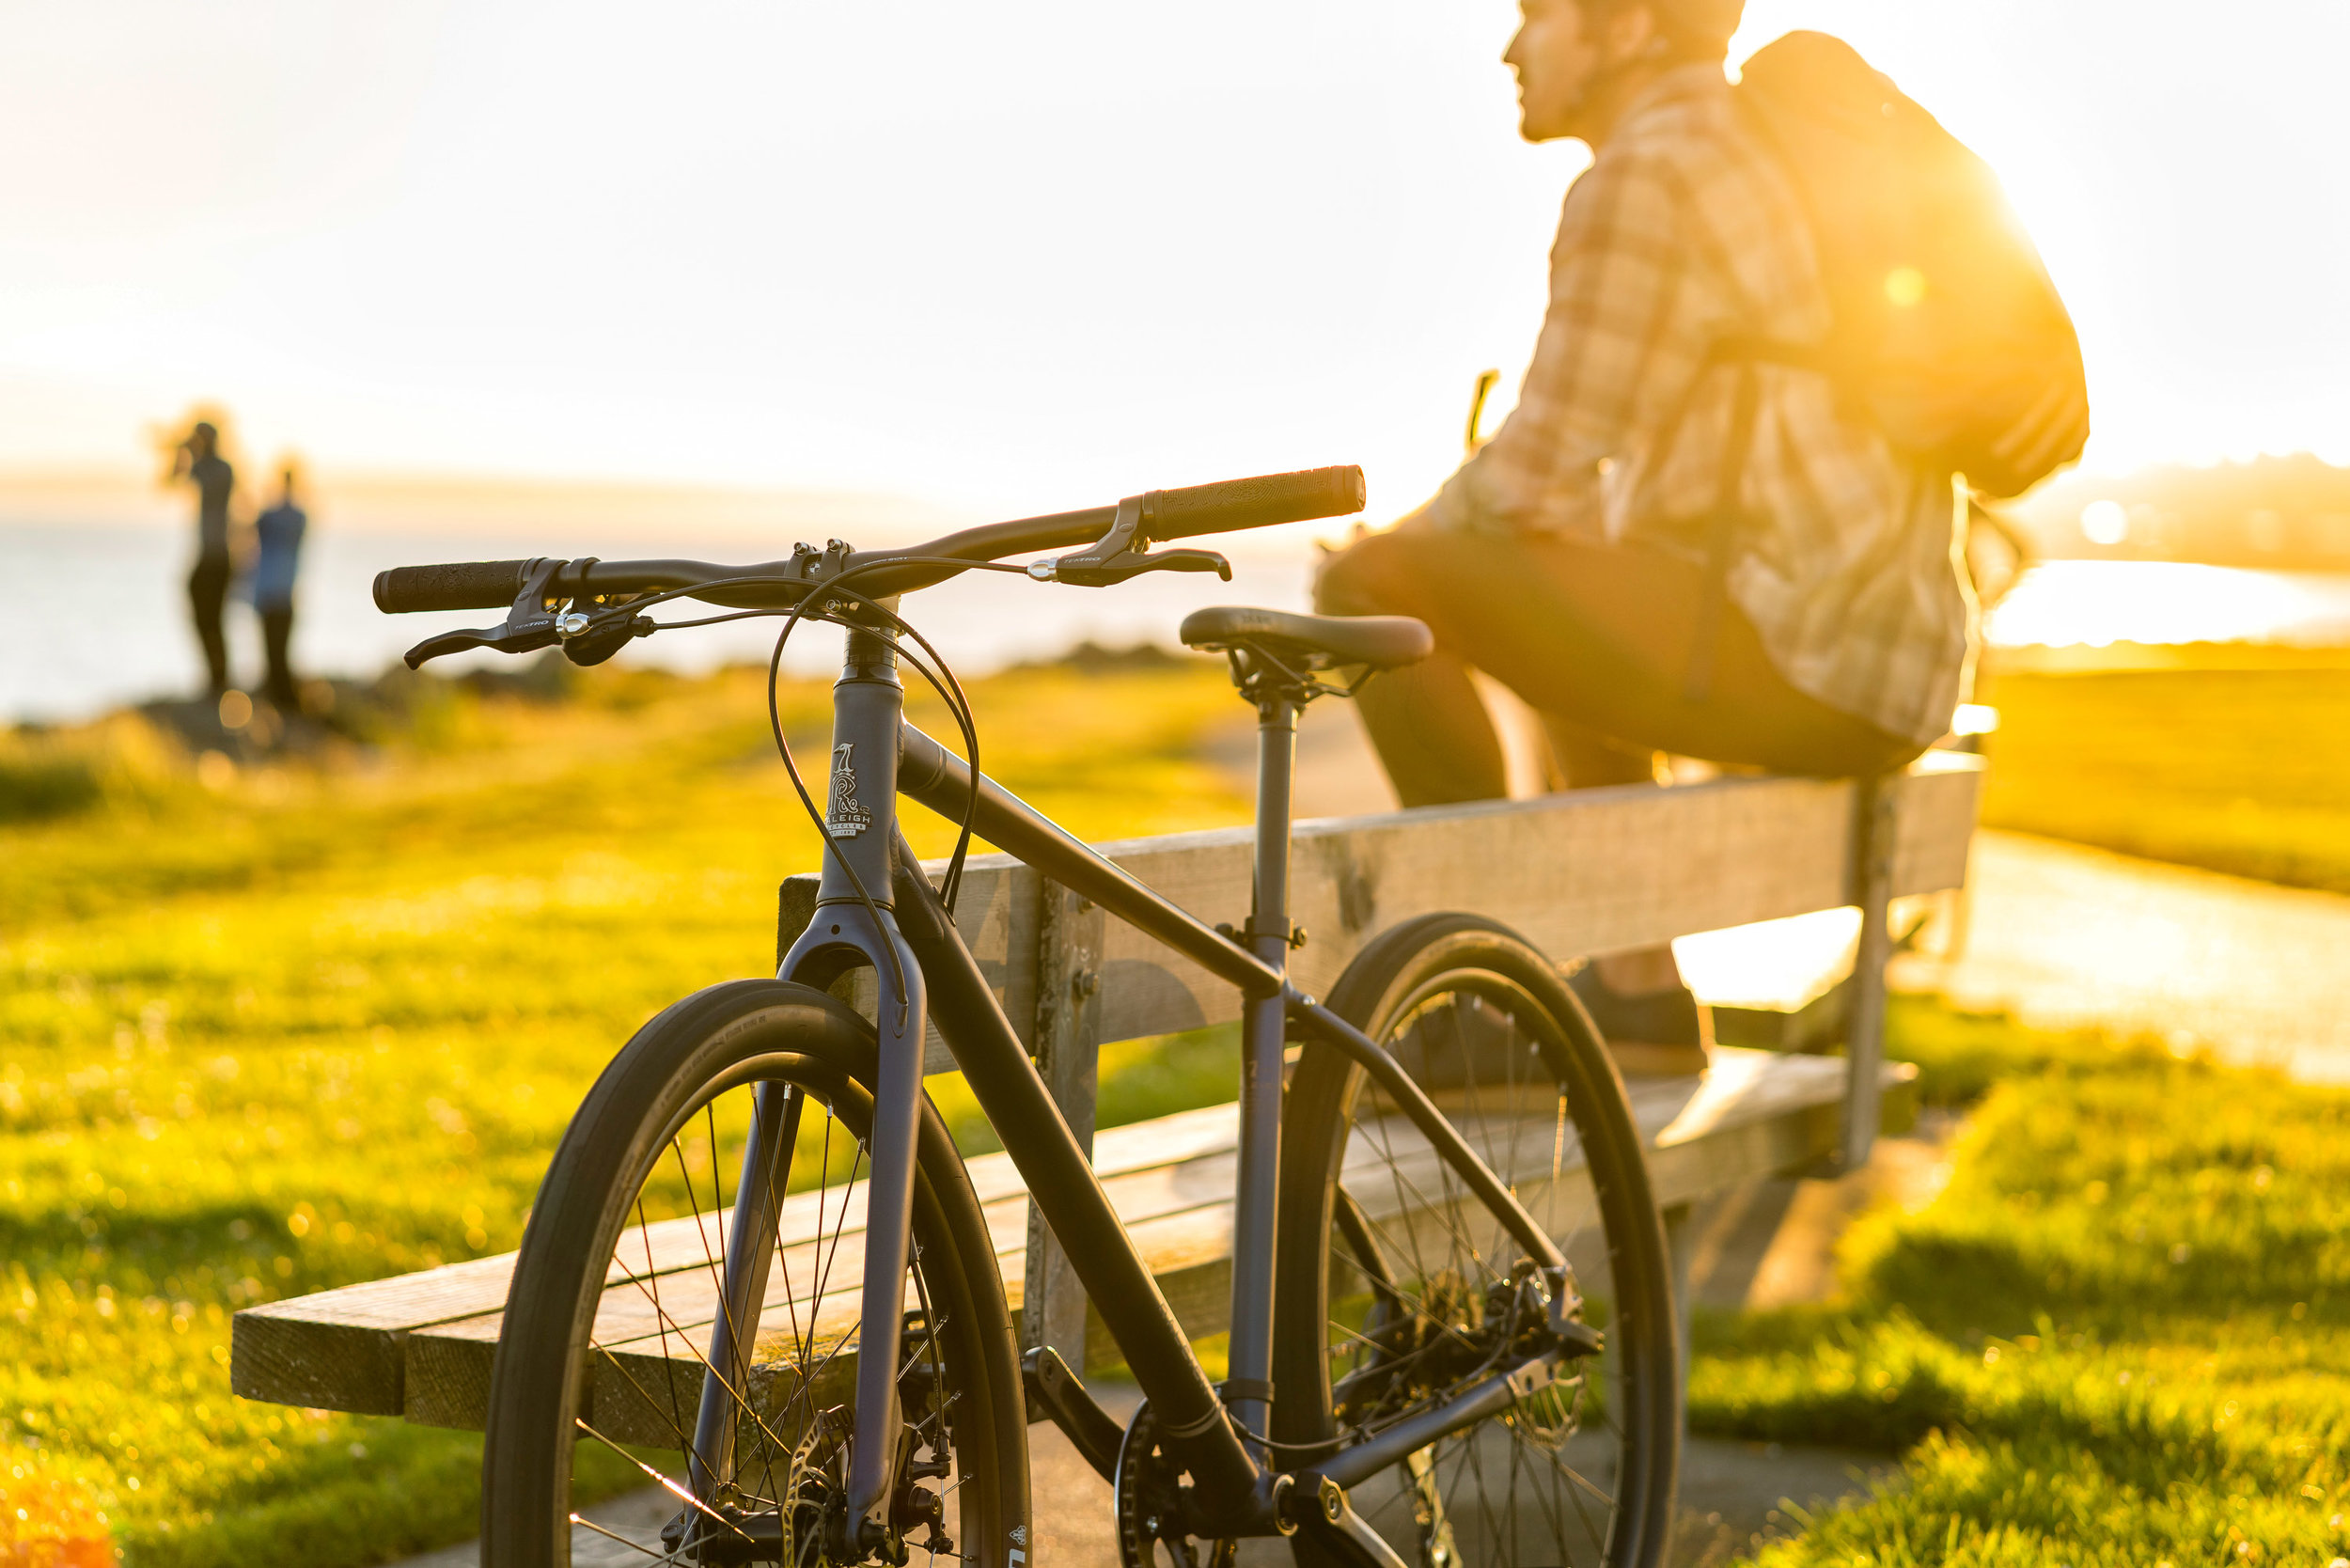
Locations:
(1684, 233)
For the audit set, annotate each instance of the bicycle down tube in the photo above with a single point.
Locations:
(936, 778)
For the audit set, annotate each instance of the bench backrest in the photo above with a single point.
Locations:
(1575, 874)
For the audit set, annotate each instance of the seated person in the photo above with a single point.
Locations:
(1659, 550)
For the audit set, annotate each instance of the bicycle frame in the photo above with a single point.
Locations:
(876, 756)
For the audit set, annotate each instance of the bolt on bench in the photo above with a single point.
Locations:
(1589, 872)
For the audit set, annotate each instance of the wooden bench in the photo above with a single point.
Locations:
(1590, 872)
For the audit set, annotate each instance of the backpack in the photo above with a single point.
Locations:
(1948, 336)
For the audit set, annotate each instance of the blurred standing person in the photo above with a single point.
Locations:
(278, 535)
(200, 462)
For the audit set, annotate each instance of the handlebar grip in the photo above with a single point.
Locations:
(452, 586)
(1258, 503)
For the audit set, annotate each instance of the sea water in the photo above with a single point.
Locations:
(96, 614)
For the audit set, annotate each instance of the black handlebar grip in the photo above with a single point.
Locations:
(454, 586)
(1258, 503)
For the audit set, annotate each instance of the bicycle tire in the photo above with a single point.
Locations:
(673, 1076)
(1455, 996)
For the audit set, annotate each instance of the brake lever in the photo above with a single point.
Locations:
(1125, 564)
(529, 624)
(1120, 554)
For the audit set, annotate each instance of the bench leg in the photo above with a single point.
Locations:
(1068, 1037)
(1875, 828)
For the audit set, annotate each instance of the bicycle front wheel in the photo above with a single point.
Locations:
(605, 1363)
(1393, 1274)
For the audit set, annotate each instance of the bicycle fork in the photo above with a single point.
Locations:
(854, 925)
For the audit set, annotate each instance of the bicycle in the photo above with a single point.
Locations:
(1419, 1372)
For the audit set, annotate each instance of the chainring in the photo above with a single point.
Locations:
(1148, 1494)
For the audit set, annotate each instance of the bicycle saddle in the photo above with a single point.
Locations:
(1379, 641)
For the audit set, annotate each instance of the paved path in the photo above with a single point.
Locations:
(2064, 935)
(2058, 934)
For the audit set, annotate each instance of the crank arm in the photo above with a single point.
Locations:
(1323, 1508)
(1054, 1389)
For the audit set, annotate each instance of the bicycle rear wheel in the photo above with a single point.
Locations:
(604, 1349)
(1392, 1271)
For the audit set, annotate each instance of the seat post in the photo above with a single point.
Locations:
(1249, 1390)
(1277, 764)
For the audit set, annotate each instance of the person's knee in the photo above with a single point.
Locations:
(1360, 579)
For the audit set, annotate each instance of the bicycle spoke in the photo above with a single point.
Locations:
(1451, 1208)
(685, 1439)
(676, 1417)
(1440, 1321)
(615, 1536)
(708, 1370)
(666, 1484)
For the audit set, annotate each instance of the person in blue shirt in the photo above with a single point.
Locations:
(200, 462)
(278, 534)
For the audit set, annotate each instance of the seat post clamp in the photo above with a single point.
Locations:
(1233, 1390)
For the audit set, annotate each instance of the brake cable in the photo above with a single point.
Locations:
(958, 704)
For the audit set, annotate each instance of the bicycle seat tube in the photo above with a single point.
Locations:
(1248, 1388)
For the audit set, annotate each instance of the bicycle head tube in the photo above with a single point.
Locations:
(861, 801)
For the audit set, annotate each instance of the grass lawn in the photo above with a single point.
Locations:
(2232, 758)
(324, 1025)
(2120, 1336)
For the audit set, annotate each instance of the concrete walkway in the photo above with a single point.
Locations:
(2058, 934)
(2068, 936)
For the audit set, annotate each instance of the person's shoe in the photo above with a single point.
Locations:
(1658, 1033)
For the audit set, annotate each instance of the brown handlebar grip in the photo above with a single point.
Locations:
(1258, 503)
(452, 586)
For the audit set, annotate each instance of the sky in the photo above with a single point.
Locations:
(1026, 255)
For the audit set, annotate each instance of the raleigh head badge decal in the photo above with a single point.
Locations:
(845, 816)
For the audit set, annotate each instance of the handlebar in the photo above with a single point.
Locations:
(1258, 503)
(1225, 507)
(453, 586)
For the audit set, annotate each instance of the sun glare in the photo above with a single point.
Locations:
(2105, 523)
(2065, 603)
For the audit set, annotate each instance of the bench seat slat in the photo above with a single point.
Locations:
(421, 1345)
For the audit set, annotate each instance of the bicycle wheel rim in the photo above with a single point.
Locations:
(636, 1353)
(1583, 1472)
